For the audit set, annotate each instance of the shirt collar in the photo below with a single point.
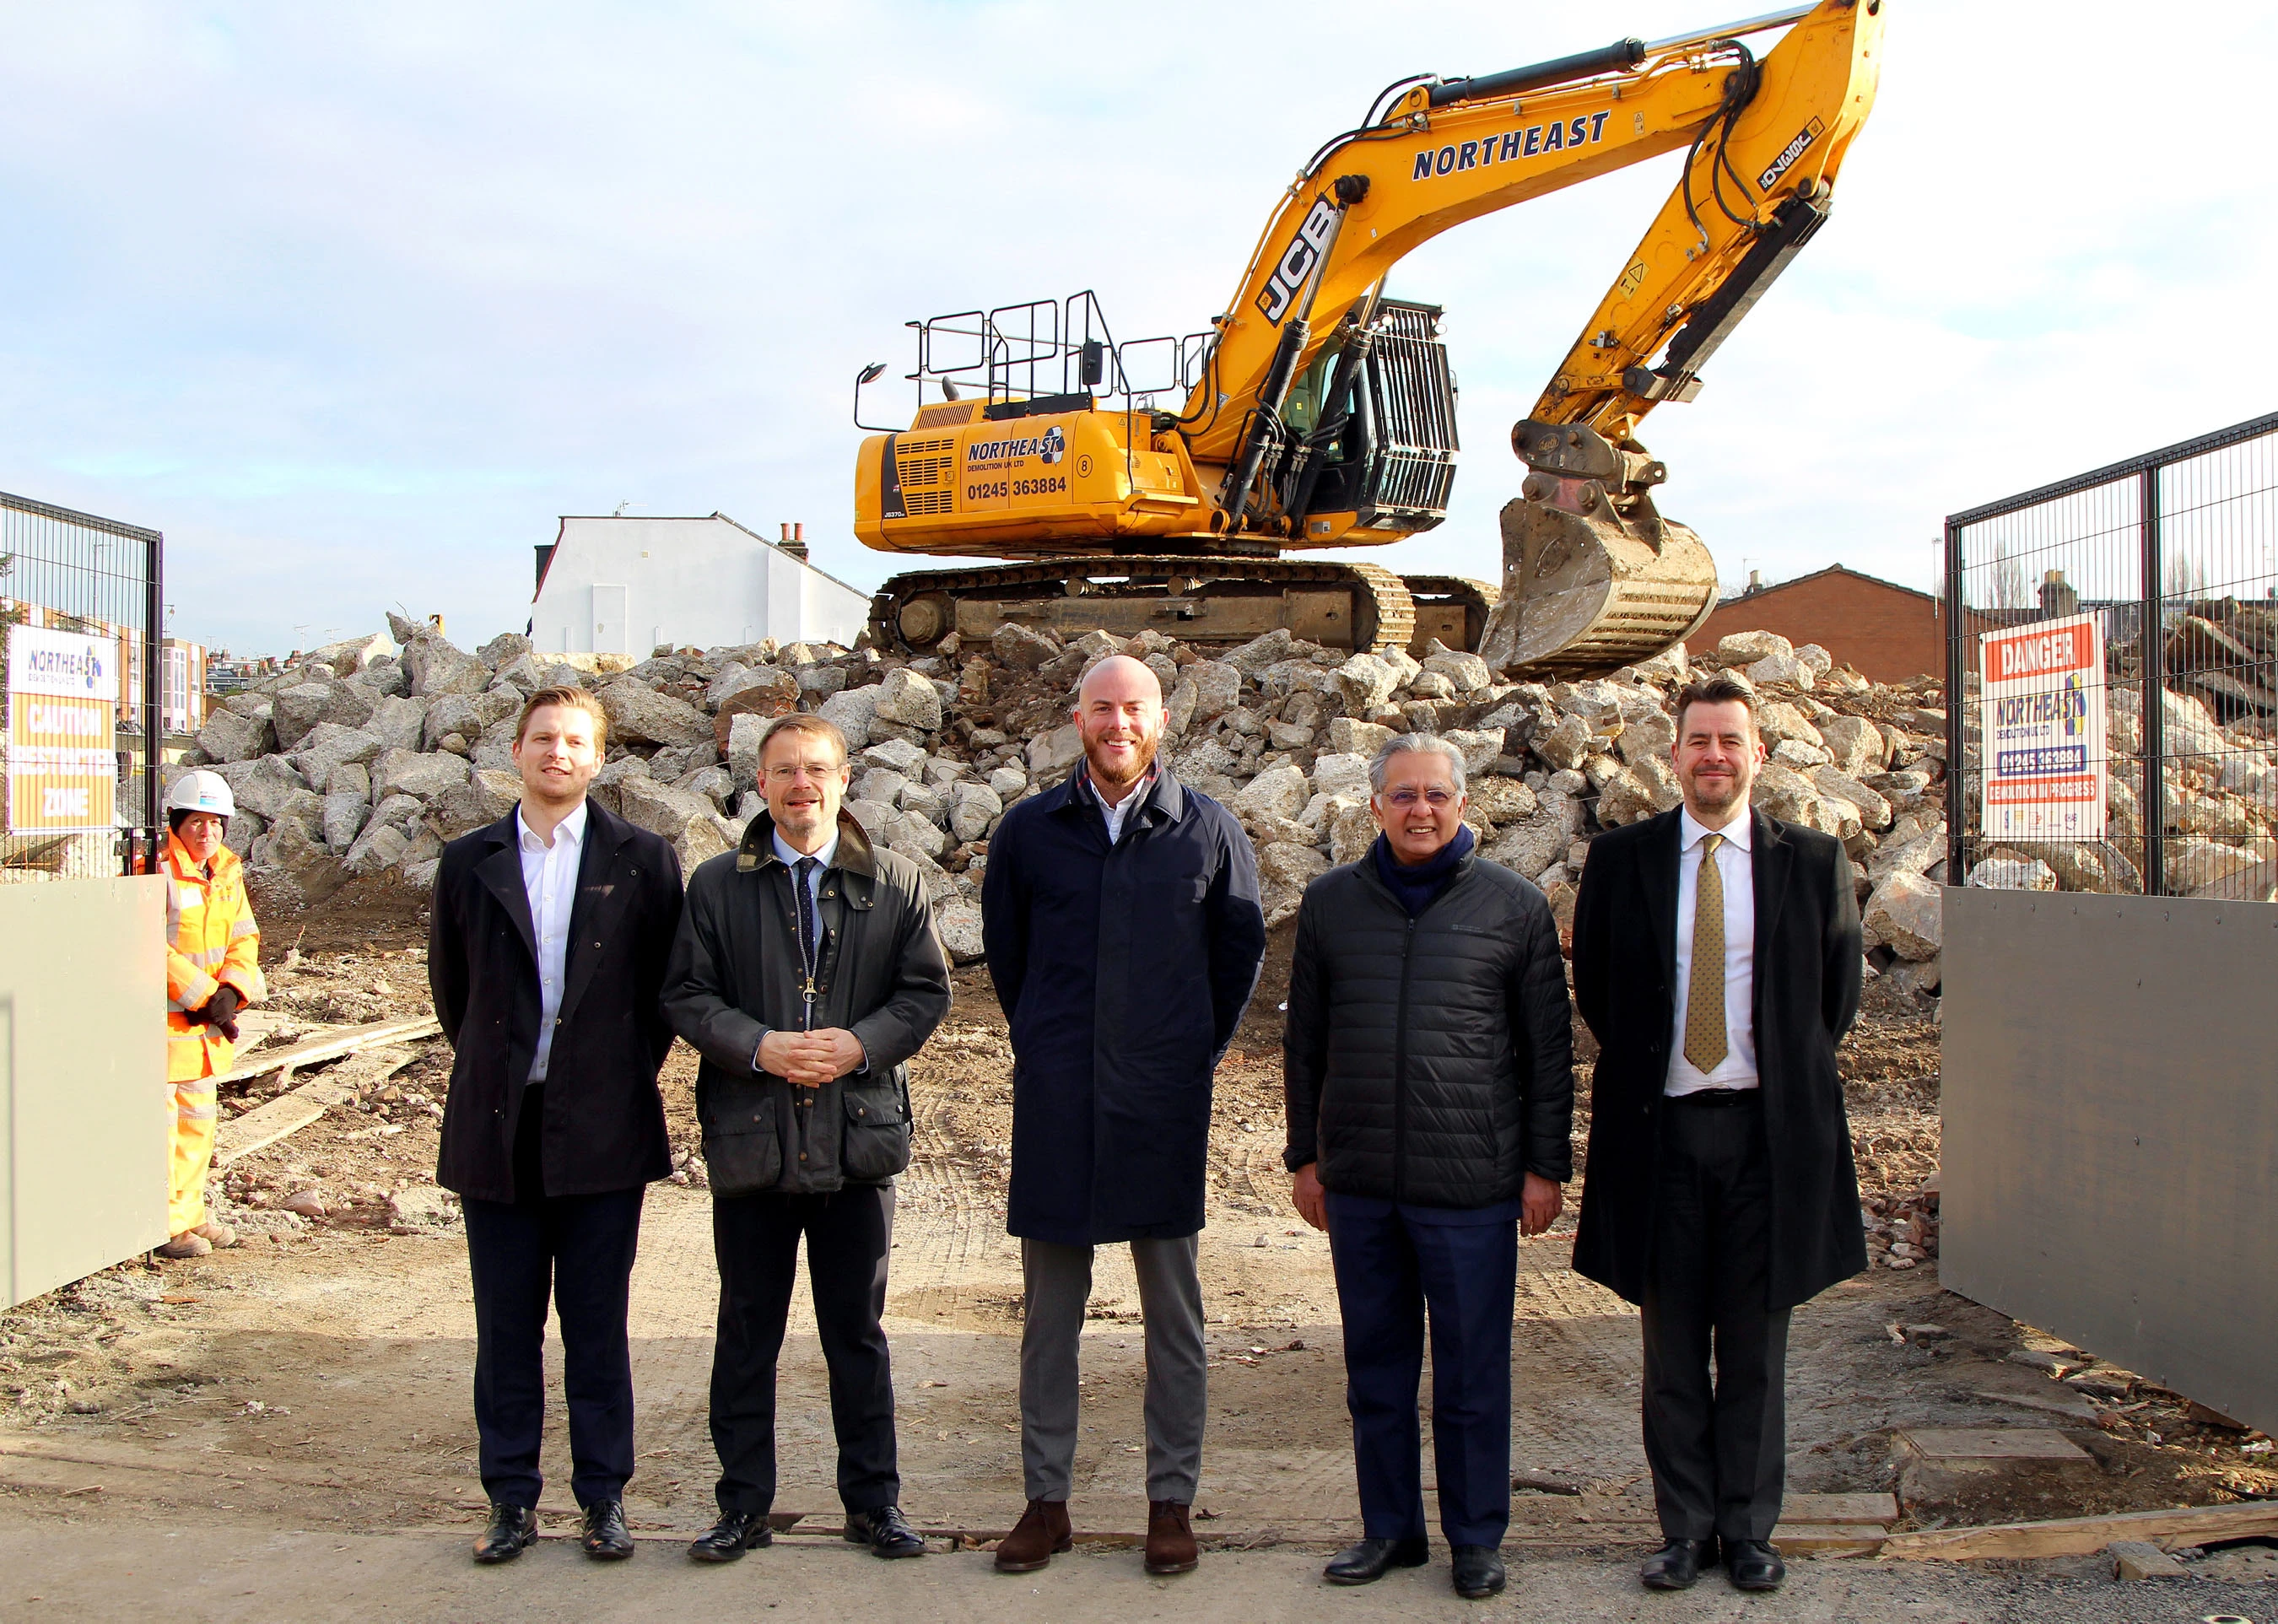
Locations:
(571, 828)
(793, 856)
(1137, 796)
(1740, 832)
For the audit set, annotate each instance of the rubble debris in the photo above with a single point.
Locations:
(364, 758)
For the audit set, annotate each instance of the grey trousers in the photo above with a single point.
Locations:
(1059, 1281)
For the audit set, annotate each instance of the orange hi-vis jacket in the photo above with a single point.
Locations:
(211, 939)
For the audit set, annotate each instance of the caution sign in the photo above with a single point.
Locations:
(62, 717)
(2041, 724)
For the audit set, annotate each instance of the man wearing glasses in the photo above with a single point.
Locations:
(1427, 1063)
(805, 972)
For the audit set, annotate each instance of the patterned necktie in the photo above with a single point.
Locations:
(803, 883)
(1704, 1000)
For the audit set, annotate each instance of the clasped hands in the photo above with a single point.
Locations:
(1539, 1202)
(810, 1058)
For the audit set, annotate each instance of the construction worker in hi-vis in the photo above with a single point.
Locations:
(213, 970)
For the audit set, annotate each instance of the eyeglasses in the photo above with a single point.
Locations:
(1436, 799)
(790, 772)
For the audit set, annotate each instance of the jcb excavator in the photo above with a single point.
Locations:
(1298, 434)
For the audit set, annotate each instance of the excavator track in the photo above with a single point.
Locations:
(1194, 599)
(1452, 609)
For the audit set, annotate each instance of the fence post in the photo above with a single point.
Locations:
(154, 685)
(1957, 791)
(2152, 641)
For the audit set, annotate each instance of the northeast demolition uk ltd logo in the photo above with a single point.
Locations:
(1048, 448)
(81, 668)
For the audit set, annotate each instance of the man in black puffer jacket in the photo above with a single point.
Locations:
(1428, 1064)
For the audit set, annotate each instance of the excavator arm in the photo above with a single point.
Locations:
(1763, 140)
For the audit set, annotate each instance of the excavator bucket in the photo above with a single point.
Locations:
(1593, 578)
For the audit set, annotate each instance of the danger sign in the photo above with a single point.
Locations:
(2041, 727)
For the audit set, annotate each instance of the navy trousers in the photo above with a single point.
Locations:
(1393, 1264)
(578, 1252)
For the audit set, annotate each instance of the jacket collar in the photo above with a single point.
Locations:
(1165, 796)
(855, 854)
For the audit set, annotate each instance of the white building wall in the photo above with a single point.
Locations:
(623, 585)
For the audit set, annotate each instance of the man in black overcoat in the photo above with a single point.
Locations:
(1122, 920)
(1717, 958)
(545, 955)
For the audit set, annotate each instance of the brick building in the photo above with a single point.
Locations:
(1886, 632)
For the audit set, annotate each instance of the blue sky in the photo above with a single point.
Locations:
(353, 302)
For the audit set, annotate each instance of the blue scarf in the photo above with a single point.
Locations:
(1418, 885)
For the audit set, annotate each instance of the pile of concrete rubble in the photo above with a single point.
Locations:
(363, 757)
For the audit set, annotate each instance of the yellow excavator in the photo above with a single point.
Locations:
(1318, 412)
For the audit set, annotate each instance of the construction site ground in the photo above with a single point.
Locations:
(283, 1429)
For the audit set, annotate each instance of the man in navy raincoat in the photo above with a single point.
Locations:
(1122, 926)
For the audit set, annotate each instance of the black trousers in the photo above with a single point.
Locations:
(1719, 1449)
(577, 1251)
(849, 1235)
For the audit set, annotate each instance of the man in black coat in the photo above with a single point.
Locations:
(546, 952)
(1427, 1063)
(1716, 959)
(1120, 915)
(806, 974)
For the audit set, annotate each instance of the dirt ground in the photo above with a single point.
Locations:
(314, 1380)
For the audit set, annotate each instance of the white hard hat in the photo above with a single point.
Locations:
(200, 791)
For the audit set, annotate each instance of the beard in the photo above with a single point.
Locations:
(1120, 776)
(1719, 794)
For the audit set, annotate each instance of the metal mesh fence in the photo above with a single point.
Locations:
(98, 582)
(2113, 677)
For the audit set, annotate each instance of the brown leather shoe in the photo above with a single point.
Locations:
(1170, 1540)
(1041, 1533)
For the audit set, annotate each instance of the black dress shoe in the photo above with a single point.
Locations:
(726, 1540)
(884, 1531)
(512, 1528)
(606, 1538)
(1370, 1560)
(1479, 1571)
(1678, 1564)
(1753, 1564)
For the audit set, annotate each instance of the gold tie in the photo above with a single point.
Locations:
(1704, 1000)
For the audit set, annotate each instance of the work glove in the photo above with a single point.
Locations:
(220, 1012)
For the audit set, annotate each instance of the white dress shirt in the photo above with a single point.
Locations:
(793, 856)
(549, 879)
(1735, 867)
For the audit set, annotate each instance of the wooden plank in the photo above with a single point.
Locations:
(2139, 1558)
(1827, 1539)
(2087, 1535)
(1992, 1444)
(1882, 1509)
(332, 1044)
(264, 1125)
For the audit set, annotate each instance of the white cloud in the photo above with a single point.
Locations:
(354, 303)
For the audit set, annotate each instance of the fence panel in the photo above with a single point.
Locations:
(2130, 616)
(62, 571)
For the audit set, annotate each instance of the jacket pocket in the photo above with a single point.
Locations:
(743, 1150)
(875, 1144)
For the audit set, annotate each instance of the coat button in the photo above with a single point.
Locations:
(802, 1155)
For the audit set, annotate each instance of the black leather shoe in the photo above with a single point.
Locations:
(1753, 1564)
(1479, 1571)
(726, 1540)
(884, 1531)
(1678, 1564)
(512, 1529)
(606, 1538)
(1370, 1560)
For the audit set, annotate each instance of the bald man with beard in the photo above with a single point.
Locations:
(1122, 920)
